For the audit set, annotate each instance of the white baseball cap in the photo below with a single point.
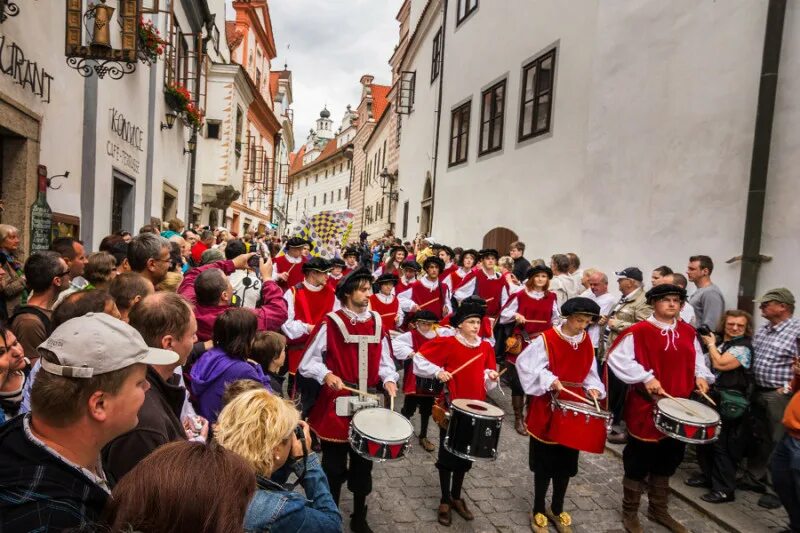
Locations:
(98, 343)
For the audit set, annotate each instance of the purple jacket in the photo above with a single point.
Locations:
(271, 315)
(212, 372)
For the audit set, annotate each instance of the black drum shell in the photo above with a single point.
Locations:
(472, 437)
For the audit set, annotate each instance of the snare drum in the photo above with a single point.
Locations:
(579, 426)
(674, 420)
(474, 430)
(379, 434)
(429, 386)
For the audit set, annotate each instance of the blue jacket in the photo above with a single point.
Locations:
(287, 511)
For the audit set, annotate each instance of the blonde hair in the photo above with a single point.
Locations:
(253, 424)
(506, 262)
(171, 282)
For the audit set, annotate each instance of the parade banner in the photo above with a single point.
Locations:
(325, 231)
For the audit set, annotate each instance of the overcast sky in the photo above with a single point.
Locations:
(332, 43)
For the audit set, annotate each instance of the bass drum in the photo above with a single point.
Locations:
(380, 435)
(474, 430)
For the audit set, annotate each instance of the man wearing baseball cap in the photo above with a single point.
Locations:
(89, 391)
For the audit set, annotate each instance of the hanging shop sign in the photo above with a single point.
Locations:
(41, 215)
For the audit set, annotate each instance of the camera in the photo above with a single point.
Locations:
(704, 330)
(254, 262)
(299, 433)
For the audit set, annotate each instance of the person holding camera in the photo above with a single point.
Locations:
(266, 431)
(731, 356)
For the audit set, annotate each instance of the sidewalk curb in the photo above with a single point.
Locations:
(735, 521)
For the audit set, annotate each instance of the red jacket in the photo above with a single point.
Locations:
(271, 315)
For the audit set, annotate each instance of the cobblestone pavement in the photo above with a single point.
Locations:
(406, 492)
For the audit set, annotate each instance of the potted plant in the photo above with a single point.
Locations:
(151, 45)
(177, 96)
(193, 115)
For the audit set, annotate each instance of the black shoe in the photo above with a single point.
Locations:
(769, 501)
(698, 480)
(748, 483)
(358, 522)
(717, 496)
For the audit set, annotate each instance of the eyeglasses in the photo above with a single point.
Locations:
(65, 273)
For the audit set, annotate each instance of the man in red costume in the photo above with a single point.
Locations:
(332, 360)
(446, 254)
(656, 356)
(427, 292)
(307, 303)
(386, 303)
(410, 269)
(486, 283)
(288, 270)
(438, 358)
(351, 257)
(562, 357)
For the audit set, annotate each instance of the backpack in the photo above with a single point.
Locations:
(32, 310)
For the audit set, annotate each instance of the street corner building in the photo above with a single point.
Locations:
(123, 113)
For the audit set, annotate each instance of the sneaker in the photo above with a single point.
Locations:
(617, 438)
(717, 496)
(698, 480)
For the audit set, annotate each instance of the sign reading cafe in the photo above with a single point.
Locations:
(131, 141)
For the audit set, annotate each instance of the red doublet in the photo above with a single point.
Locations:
(409, 378)
(309, 307)
(388, 311)
(449, 353)
(430, 300)
(333, 282)
(570, 366)
(341, 358)
(403, 286)
(532, 309)
(672, 365)
(447, 271)
(490, 289)
(295, 271)
(456, 279)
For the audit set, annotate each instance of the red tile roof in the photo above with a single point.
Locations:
(273, 84)
(233, 36)
(328, 152)
(296, 160)
(379, 101)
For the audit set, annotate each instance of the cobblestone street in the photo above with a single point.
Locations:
(406, 492)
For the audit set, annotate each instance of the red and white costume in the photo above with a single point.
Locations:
(428, 295)
(338, 341)
(454, 279)
(404, 284)
(449, 353)
(389, 309)
(404, 347)
(491, 287)
(539, 307)
(292, 265)
(333, 281)
(307, 305)
(485, 332)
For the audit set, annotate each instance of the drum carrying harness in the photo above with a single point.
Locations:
(363, 344)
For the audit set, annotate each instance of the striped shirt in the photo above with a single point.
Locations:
(775, 347)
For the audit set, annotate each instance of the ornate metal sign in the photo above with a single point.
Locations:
(95, 54)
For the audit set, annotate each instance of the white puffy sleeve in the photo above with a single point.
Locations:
(402, 345)
(312, 365)
(532, 368)
(623, 362)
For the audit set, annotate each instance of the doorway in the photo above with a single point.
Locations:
(426, 204)
(500, 239)
(122, 203)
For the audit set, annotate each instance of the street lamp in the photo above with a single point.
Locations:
(170, 118)
(191, 145)
(387, 181)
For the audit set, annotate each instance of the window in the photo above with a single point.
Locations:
(297, 205)
(346, 192)
(464, 9)
(382, 205)
(383, 162)
(405, 218)
(405, 96)
(237, 148)
(459, 133)
(537, 96)
(324, 198)
(361, 181)
(212, 129)
(436, 55)
(306, 182)
(326, 173)
(315, 201)
(305, 202)
(349, 164)
(339, 196)
(316, 178)
(492, 104)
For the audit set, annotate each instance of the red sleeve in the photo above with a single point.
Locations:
(197, 251)
(186, 288)
(436, 350)
(274, 310)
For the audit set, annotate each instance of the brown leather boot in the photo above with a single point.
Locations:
(518, 402)
(657, 511)
(631, 497)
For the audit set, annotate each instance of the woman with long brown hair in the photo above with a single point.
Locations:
(528, 312)
(183, 486)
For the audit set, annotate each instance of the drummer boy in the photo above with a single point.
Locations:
(560, 361)
(659, 356)
(467, 364)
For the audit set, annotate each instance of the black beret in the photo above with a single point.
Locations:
(449, 251)
(337, 262)
(356, 275)
(410, 263)
(473, 306)
(351, 250)
(487, 252)
(423, 315)
(433, 260)
(388, 277)
(394, 249)
(296, 242)
(659, 291)
(316, 263)
(532, 271)
(468, 251)
(580, 306)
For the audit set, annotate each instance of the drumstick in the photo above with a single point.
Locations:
(362, 393)
(537, 321)
(459, 369)
(502, 372)
(596, 405)
(391, 403)
(686, 407)
(428, 302)
(578, 396)
(706, 396)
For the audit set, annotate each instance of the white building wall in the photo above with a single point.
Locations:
(313, 184)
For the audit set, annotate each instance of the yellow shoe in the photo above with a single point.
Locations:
(539, 523)
(562, 521)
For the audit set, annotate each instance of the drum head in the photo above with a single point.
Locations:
(478, 408)
(677, 410)
(382, 424)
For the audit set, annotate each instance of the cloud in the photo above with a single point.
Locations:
(328, 46)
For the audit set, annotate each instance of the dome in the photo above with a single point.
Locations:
(325, 113)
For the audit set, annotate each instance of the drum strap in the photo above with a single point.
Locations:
(363, 342)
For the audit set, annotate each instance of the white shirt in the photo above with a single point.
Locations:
(292, 260)
(688, 315)
(387, 299)
(426, 369)
(623, 362)
(564, 287)
(468, 289)
(508, 312)
(313, 366)
(606, 302)
(403, 345)
(293, 328)
(534, 372)
(406, 303)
